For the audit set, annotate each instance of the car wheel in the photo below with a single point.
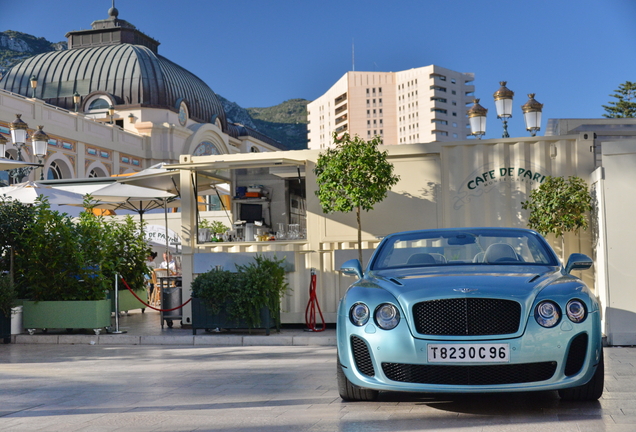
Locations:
(351, 392)
(590, 391)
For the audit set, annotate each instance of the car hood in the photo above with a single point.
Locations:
(520, 283)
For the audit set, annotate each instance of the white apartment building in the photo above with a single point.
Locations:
(413, 106)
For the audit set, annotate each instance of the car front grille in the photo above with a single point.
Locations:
(361, 356)
(469, 375)
(576, 355)
(467, 317)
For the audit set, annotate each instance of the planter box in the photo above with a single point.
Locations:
(202, 319)
(127, 301)
(5, 328)
(89, 314)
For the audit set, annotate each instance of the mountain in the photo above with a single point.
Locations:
(16, 46)
(286, 122)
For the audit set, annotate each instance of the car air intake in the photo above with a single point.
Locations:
(576, 355)
(469, 375)
(361, 356)
(467, 317)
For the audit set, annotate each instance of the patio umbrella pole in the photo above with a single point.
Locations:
(117, 331)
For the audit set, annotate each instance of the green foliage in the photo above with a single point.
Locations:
(353, 175)
(57, 259)
(36, 45)
(559, 205)
(625, 104)
(8, 295)
(48, 264)
(242, 294)
(290, 111)
(215, 227)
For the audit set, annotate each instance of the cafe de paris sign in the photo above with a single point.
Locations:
(489, 177)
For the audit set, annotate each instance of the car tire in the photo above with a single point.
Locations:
(592, 390)
(350, 392)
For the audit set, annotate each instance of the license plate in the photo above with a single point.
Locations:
(460, 353)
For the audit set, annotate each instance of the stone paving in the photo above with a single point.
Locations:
(63, 387)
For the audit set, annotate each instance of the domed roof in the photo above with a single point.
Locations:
(132, 74)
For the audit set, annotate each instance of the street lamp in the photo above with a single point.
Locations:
(131, 118)
(19, 136)
(76, 99)
(111, 113)
(34, 85)
(532, 114)
(40, 142)
(503, 103)
(477, 117)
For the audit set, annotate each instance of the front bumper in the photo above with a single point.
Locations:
(541, 359)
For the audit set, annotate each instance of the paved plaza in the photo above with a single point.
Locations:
(83, 387)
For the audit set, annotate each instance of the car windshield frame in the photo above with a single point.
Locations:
(468, 246)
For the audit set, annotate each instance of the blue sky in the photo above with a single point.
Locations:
(572, 54)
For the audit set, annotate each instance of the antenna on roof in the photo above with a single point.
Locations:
(353, 56)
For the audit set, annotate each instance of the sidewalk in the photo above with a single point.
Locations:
(145, 329)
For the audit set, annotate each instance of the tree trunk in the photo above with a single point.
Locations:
(358, 210)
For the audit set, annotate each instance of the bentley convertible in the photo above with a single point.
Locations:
(471, 310)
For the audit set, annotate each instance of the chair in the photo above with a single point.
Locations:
(421, 258)
(500, 252)
(155, 299)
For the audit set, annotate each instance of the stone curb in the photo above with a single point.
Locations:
(203, 340)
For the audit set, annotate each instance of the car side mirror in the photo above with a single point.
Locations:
(352, 268)
(578, 261)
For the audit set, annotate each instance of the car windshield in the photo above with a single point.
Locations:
(457, 247)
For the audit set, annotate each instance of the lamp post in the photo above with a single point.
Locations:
(532, 114)
(503, 104)
(111, 113)
(477, 117)
(40, 141)
(34, 85)
(76, 99)
(19, 136)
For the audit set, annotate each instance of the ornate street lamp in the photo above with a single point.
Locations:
(111, 113)
(19, 136)
(76, 99)
(34, 85)
(532, 114)
(477, 117)
(503, 103)
(131, 118)
(40, 142)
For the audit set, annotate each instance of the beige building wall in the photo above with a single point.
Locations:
(417, 105)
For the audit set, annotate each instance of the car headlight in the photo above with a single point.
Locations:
(576, 311)
(387, 316)
(547, 314)
(359, 314)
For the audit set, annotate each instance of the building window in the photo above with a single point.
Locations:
(455, 114)
(55, 172)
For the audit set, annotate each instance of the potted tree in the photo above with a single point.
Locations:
(248, 298)
(65, 269)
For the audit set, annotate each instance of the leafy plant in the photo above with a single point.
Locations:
(353, 175)
(559, 206)
(625, 104)
(14, 218)
(215, 227)
(242, 294)
(8, 295)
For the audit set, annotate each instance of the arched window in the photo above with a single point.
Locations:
(55, 172)
(206, 148)
(99, 104)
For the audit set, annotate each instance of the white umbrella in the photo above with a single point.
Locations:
(28, 192)
(9, 164)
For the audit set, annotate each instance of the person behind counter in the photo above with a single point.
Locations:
(168, 263)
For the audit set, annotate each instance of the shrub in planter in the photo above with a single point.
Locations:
(7, 301)
(243, 294)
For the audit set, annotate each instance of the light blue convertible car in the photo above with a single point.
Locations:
(471, 310)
